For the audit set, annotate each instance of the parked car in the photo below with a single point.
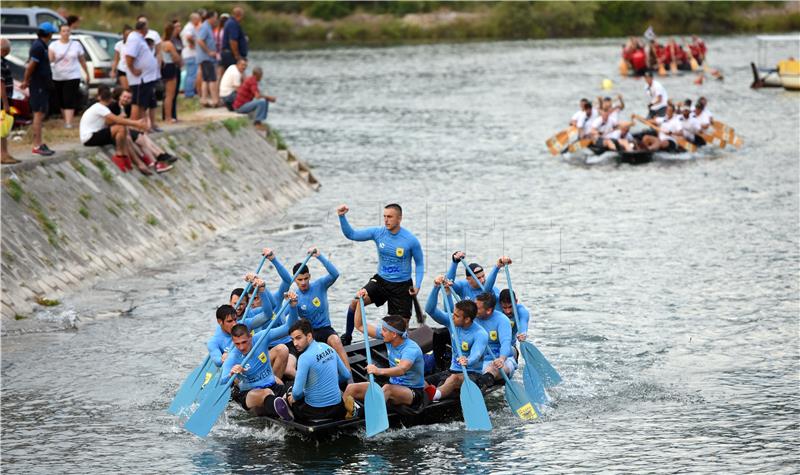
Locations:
(104, 39)
(28, 17)
(20, 97)
(97, 60)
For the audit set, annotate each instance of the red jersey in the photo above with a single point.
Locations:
(638, 59)
(247, 91)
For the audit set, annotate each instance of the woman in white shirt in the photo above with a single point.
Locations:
(119, 68)
(67, 60)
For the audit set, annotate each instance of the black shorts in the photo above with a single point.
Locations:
(321, 334)
(304, 412)
(39, 100)
(472, 376)
(134, 134)
(241, 396)
(144, 95)
(121, 73)
(67, 94)
(396, 293)
(673, 146)
(100, 138)
(209, 71)
(418, 399)
(226, 59)
(657, 112)
(169, 71)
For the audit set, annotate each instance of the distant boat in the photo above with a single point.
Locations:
(767, 76)
(789, 71)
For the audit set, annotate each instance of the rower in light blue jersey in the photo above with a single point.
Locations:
(406, 369)
(315, 393)
(521, 333)
(257, 387)
(498, 328)
(396, 247)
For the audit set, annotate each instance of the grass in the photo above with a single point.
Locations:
(83, 211)
(186, 156)
(19, 317)
(188, 106)
(278, 138)
(211, 126)
(61, 174)
(104, 171)
(193, 235)
(151, 220)
(14, 189)
(234, 124)
(113, 211)
(78, 166)
(221, 156)
(45, 302)
(48, 226)
(204, 185)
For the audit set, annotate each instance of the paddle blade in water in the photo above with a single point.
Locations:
(534, 387)
(211, 381)
(375, 410)
(519, 402)
(535, 357)
(208, 412)
(476, 417)
(190, 388)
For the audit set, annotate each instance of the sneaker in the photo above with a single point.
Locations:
(42, 150)
(120, 162)
(350, 407)
(148, 161)
(162, 167)
(128, 162)
(346, 339)
(156, 129)
(282, 408)
(67, 126)
(165, 157)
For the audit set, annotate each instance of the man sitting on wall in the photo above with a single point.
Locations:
(249, 98)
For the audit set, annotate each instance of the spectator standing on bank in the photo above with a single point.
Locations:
(170, 70)
(142, 72)
(189, 54)
(218, 32)
(231, 81)
(7, 89)
(249, 98)
(119, 69)
(67, 59)
(73, 22)
(234, 41)
(155, 38)
(39, 79)
(206, 57)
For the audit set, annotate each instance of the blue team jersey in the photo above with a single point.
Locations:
(312, 304)
(222, 342)
(498, 330)
(472, 340)
(319, 370)
(395, 251)
(524, 320)
(408, 350)
(462, 288)
(258, 369)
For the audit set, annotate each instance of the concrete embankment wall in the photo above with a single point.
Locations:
(69, 220)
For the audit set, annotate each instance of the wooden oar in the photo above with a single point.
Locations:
(200, 376)
(673, 66)
(516, 397)
(662, 71)
(476, 417)
(723, 132)
(557, 142)
(682, 142)
(375, 415)
(579, 145)
(532, 355)
(623, 67)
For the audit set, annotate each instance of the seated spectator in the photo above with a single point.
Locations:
(100, 127)
(231, 81)
(139, 143)
(249, 98)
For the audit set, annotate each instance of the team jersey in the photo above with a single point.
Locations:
(222, 342)
(313, 303)
(258, 369)
(654, 90)
(466, 291)
(672, 125)
(395, 251)
(604, 127)
(704, 118)
(408, 350)
(524, 316)
(617, 135)
(690, 127)
(319, 371)
(472, 340)
(586, 128)
(498, 329)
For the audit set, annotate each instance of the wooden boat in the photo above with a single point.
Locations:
(636, 157)
(789, 72)
(764, 75)
(434, 342)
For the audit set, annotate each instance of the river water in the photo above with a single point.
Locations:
(665, 294)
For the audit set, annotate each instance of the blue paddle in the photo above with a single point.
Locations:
(532, 355)
(516, 397)
(200, 376)
(375, 415)
(476, 417)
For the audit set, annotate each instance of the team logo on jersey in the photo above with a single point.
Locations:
(262, 357)
(252, 332)
(464, 346)
(397, 361)
(399, 252)
(316, 302)
(493, 335)
(512, 323)
(381, 245)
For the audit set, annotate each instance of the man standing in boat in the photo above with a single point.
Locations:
(469, 335)
(313, 297)
(406, 371)
(657, 106)
(396, 246)
(315, 393)
(258, 389)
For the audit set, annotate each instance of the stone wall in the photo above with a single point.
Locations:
(71, 219)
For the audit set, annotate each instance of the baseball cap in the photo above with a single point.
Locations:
(47, 27)
(475, 267)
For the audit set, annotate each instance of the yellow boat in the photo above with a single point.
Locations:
(789, 72)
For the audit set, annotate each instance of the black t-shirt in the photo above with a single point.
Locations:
(42, 75)
(8, 81)
(117, 110)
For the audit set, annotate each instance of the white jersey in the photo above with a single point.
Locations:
(119, 47)
(93, 120)
(704, 118)
(187, 33)
(66, 65)
(674, 126)
(653, 91)
(691, 126)
(617, 135)
(585, 123)
(604, 127)
(231, 80)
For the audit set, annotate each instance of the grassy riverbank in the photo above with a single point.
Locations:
(279, 24)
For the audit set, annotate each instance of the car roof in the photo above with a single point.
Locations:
(83, 37)
(30, 10)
